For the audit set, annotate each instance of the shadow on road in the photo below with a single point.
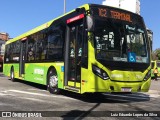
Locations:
(79, 115)
(96, 97)
(108, 97)
(39, 86)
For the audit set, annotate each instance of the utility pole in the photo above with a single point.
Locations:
(64, 6)
(120, 3)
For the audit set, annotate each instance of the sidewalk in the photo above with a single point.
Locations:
(155, 86)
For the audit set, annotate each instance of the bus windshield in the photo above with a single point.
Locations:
(120, 41)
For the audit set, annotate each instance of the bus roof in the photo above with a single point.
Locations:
(43, 26)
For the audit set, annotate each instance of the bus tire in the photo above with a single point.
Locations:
(52, 84)
(12, 74)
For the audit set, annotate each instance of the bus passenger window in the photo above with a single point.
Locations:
(31, 48)
(55, 46)
(31, 54)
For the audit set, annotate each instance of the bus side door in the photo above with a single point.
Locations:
(22, 57)
(73, 55)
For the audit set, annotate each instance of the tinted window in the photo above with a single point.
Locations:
(37, 45)
(12, 52)
(55, 45)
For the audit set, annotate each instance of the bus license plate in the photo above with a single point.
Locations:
(126, 89)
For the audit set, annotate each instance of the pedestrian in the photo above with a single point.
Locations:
(155, 72)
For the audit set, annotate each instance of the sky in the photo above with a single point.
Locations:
(19, 16)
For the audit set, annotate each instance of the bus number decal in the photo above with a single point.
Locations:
(116, 76)
(102, 12)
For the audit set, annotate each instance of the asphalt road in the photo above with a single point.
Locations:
(22, 99)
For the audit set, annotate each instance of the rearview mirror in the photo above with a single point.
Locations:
(90, 23)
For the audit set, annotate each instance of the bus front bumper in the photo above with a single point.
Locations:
(129, 87)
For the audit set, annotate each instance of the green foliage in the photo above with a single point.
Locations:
(156, 54)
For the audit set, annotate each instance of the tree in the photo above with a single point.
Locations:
(156, 54)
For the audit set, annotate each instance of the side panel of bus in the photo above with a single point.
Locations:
(37, 72)
(7, 69)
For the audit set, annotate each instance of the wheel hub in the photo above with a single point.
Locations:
(53, 81)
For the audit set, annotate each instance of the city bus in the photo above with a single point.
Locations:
(155, 64)
(91, 49)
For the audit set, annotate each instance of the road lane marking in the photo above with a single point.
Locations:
(32, 99)
(118, 97)
(4, 94)
(1, 94)
(32, 89)
(27, 98)
(38, 94)
(154, 95)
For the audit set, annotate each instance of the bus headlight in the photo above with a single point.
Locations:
(148, 75)
(100, 72)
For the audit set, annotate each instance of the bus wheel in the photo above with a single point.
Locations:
(53, 82)
(12, 75)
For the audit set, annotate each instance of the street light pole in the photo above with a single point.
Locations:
(64, 6)
(120, 3)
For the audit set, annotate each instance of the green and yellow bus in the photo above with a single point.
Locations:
(93, 48)
(155, 64)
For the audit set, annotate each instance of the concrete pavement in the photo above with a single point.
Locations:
(154, 88)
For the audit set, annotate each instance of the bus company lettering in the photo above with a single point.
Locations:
(139, 77)
(116, 75)
(38, 71)
(121, 16)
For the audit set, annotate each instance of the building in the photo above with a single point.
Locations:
(3, 38)
(130, 5)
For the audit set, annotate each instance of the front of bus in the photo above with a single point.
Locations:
(121, 59)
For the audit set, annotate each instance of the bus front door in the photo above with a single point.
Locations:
(73, 58)
(22, 57)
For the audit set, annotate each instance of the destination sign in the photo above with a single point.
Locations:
(121, 16)
(113, 13)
